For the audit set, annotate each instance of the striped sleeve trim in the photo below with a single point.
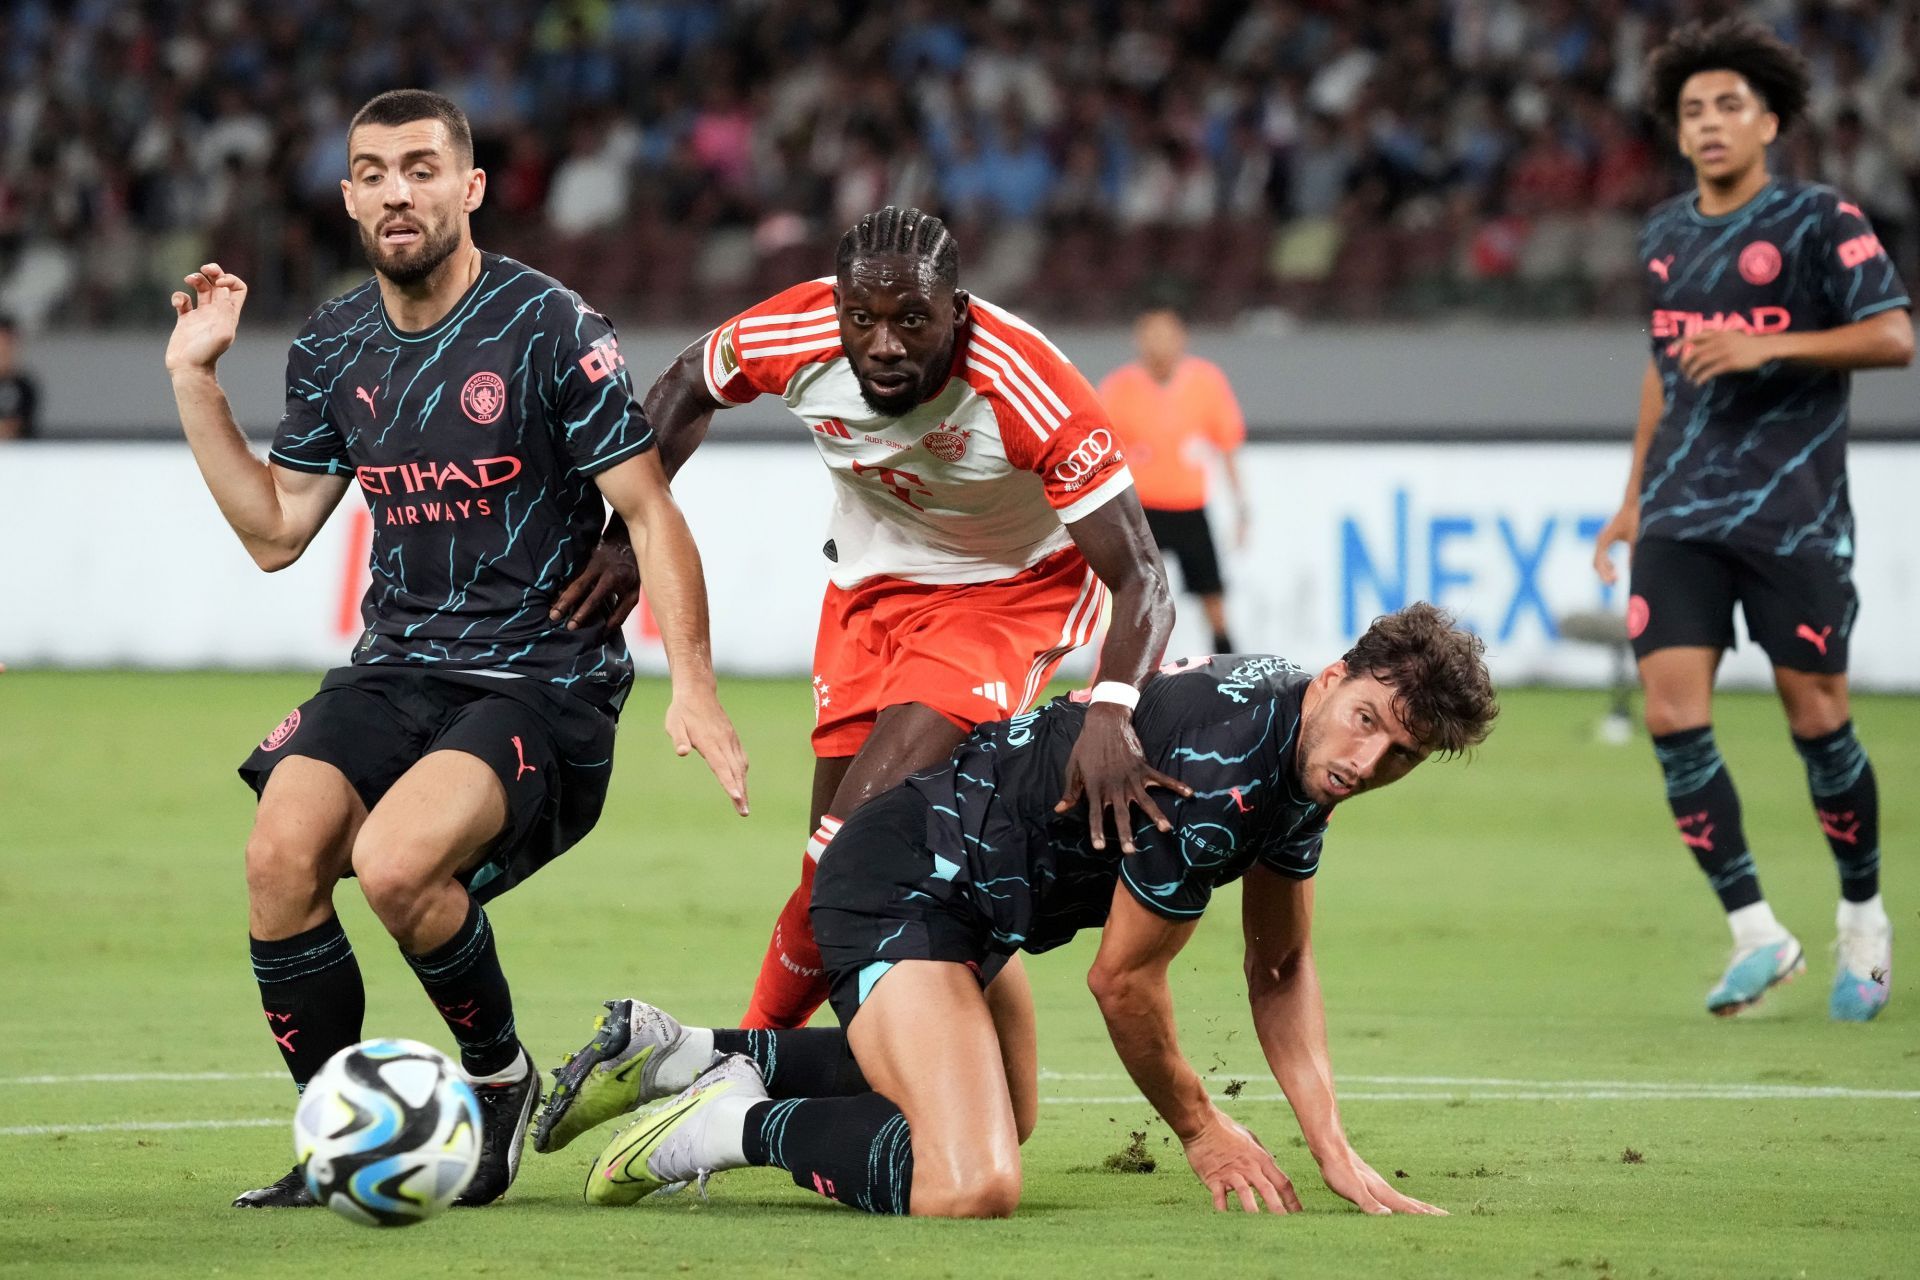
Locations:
(1097, 497)
(322, 467)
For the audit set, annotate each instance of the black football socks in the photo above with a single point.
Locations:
(311, 992)
(1847, 801)
(1706, 809)
(808, 1062)
(464, 980)
(856, 1150)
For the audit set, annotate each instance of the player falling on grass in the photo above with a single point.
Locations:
(919, 1101)
(485, 411)
(982, 511)
(1765, 293)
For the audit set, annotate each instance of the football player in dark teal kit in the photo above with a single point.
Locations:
(487, 415)
(1765, 293)
(918, 1102)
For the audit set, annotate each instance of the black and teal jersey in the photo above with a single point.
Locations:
(475, 444)
(1757, 459)
(1227, 726)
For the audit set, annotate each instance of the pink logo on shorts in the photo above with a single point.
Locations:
(1759, 263)
(484, 398)
(1638, 614)
(282, 732)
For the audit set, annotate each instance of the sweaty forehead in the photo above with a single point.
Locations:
(893, 273)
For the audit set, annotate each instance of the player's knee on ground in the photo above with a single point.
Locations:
(989, 1193)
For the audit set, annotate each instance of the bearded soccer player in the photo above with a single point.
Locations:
(1765, 293)
(486, 413)
(982, 511)
(919, 1101)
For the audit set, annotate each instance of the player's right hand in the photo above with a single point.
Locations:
(206, 320)
(1624, 527)
(1227, 1158)
(699, 723)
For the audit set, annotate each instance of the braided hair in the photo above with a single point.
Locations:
(909, 232)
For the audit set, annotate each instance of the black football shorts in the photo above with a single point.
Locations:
(878, 899)
(1188, 537)
(1799, 608)
(552, 752)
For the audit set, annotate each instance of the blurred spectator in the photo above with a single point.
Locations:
(1255, 152)
(19, 393)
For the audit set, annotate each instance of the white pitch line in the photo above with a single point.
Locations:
(1667, 1093)
(1703, 1093)
(139, 1126)
(146, 1077)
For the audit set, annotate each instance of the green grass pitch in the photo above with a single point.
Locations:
(1514, 952)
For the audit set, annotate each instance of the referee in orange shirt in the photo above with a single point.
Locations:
(1174, 412)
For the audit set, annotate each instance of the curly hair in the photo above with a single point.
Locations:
(1438, 674)
(1776, 71)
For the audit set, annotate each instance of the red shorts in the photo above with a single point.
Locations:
(974, 652)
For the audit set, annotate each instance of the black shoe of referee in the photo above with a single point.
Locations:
(505, 1112)
(289, 1192)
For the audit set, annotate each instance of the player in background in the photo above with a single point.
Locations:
(1175, 413)
(1765, 293)
(919, 1101)
(982, 510)
(486, 413)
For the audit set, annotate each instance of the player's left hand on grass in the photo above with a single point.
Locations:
(1229, 1160)
(610, 582)
(1109, 769)
(1705, 356)
(699, 723)
(1352, 1178)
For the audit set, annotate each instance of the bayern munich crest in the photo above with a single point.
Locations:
(1759, 263)
(484, 398)
(282, 731)
(948, 446)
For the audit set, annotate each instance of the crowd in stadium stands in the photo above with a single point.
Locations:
(675, 158)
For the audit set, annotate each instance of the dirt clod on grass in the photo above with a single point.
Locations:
(1132, 1158)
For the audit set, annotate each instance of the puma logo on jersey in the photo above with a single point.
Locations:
(1660, 267)
(362, 393)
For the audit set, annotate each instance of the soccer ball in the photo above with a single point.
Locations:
(387, 1133)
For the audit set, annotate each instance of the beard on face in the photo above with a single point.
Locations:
(434, 248)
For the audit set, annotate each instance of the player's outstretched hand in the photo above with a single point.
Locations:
(699, 723)
(1354, 1179)
(1705, 356)
(610, 582)
(1228, 1159)
(1109, 769)
(1624, 527)
(205, 321)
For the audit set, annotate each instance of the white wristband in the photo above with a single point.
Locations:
(1116, 691)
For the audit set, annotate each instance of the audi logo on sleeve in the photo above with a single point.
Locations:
(1081, 463)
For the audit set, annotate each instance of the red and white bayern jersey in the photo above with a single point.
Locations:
(973, 485)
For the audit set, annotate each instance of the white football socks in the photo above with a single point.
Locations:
(1870, 915)
(514, 1073)
(1754, 926)
(687, 1061)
